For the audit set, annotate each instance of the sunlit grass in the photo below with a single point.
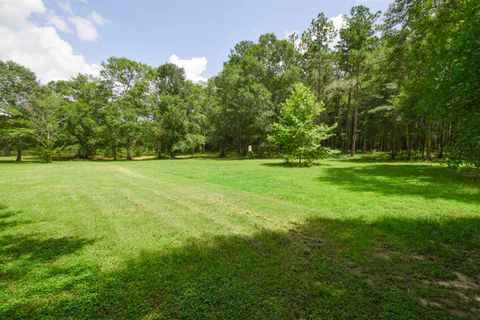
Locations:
(208, 238)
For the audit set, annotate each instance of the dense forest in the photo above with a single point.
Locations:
(405, 82)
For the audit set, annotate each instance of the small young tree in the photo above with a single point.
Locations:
(298, 135)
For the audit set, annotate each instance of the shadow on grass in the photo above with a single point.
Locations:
(370, 157)
(35, 249)
(24, 254)
(7, 218)
(430, 182)
(371, 160)
(294, 165)
(2, 161)
(323, 268)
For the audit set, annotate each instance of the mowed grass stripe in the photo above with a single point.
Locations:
(230, 213)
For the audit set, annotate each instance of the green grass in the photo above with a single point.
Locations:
(235, 239)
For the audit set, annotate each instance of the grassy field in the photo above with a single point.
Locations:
(233, 239)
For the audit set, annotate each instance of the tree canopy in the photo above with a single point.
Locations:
(406, 82)
(298, 135)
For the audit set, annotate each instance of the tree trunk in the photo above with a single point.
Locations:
(114, 148)
(416, 141)
(394, 150)
(354, 129)
(428, 143)
(129, 150)
(348, 117)
(6, 150)
(442, 143)
(19, 151)
(423, 149)
(159, 150)
(407, 142)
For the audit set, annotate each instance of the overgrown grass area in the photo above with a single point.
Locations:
(229, 239)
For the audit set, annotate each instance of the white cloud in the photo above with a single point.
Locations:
(39, 48)
(15, 13)
(85, 29)
(65, 6)
(97, 18)
(43, 51)
(193, 67)
(290, 34)
(338, 22)
(297, 40)
(58, 22)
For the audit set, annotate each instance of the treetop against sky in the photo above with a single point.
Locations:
(59, 39)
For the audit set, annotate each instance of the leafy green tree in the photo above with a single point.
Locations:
(169, 79)
(46, 125)
(245, 110)
(440, 78)
(18, 90)
(197, 104)
(357, 38)
(318, 62)
(128, 82)
(83, 107)
(168, 113)
(298, 135)
(173, 122)
(256, 79)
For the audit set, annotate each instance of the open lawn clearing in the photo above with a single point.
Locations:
(238, 239)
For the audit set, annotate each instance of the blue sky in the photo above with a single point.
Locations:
(152, 31)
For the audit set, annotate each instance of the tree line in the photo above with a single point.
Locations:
(405, 82)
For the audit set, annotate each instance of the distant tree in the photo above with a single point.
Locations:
(357, 38)
(316, 46)
(255, 80)
(168, 114)
(298, 135)
(18, 89)
(245, 110)
(128, 82)
(197, 106)
(83, 108)
(437, 45)
(46, 125)
(169, 79)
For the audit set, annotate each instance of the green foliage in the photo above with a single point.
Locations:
(189, 143)
(256, 79)
(47, 128)
(408, 86)
(83, 114)
(298, 135)
(18, 89)
(128, 84)
(245, 110)
(436, 47)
